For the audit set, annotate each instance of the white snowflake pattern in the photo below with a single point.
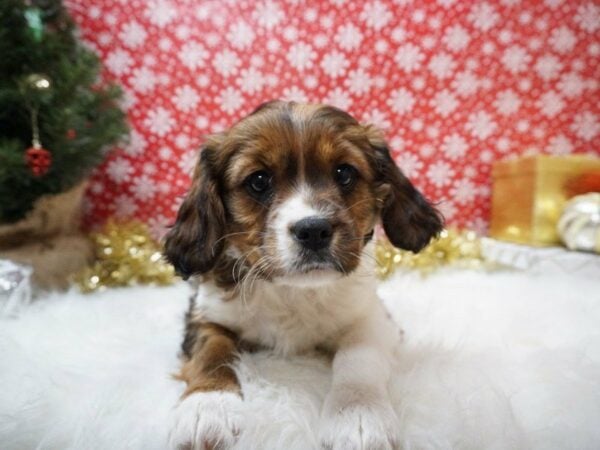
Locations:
(230, 99)
(507, 102)
(334, 64)
(410, 164)
(416, 124)
(159, 121)
(401, 101)
(136, 144)
(187, 162)
(505, 36)
(562, 39)
(159, 224)
(550, 104)
(240, 35)
(463, 191)
(143, 188)
(183, 32)
(160, 13)
(381, 46)
(321, 40)
(442, 65)
(251, 80)
(447, 208)
(226, 62)
(186, 97)
(290, 33)
(522, 126)
(183, 141)
(548, 67)
(465, 83)
(481, 125)
(149, 168)
(398, 34)
(193, 55)
(375, 14)
(268, 14)
(516, 59)
(588, 17)
(483, 16)
(119, 62)
(294, 93)
(358, 81)
(376, 117)
(348, 37)
(143, 79)
(571, 85)
(338, 97)
(559, 145)
(503, 144)
(444, 102)
(301, 56)
(440, 173)
(454, 146)
(165, 153)
(125, 206)
(408, 57)
(456, 38)
(119, 170)
(585, 125)
(132, 34)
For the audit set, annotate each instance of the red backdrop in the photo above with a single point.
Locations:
(455, 85)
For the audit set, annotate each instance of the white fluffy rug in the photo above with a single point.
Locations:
(490, 361)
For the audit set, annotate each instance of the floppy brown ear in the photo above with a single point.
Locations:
(408, 219)
(193, 244)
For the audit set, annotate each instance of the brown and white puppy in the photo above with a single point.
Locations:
(281, 208)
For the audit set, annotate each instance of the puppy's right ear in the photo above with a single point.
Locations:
(194, 242)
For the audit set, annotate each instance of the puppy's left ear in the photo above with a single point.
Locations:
(408, 219)
(194, 243)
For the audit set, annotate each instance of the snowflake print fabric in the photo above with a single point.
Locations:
(455, 85)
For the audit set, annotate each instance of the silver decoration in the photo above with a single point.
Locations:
(15, 287)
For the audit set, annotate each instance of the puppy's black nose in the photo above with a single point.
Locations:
(313, 233)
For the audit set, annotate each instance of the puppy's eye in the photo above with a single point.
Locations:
(259, 182)
(345, 175)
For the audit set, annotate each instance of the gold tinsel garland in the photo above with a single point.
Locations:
(451, 248)
(126, 254)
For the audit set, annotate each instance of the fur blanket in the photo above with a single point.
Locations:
(490, 361)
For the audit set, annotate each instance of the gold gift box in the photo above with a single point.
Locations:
(529, 193)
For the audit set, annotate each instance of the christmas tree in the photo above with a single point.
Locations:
(57, 120)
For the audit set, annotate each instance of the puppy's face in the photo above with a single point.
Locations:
(291, 194)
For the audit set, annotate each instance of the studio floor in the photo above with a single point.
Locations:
(490, 360)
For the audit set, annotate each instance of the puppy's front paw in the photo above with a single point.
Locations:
(206, 421)
(356, 426)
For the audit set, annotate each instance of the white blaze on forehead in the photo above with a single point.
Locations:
(296, 208)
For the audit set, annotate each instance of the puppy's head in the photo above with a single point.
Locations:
(292, 193)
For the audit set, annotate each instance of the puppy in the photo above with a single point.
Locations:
(276, 222)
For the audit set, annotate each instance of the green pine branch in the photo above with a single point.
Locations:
(79, 118)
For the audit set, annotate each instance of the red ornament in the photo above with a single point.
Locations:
(71, 134)
(38, 159)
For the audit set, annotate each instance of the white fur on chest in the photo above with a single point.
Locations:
(292, 319)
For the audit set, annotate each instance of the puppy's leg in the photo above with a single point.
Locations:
(357, 413)
(209, 413)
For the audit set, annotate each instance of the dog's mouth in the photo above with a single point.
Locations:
(312, 269)
(314, 261)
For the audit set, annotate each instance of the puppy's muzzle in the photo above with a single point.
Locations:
(313, 233)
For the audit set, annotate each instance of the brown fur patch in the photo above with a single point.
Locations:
(207, 365)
